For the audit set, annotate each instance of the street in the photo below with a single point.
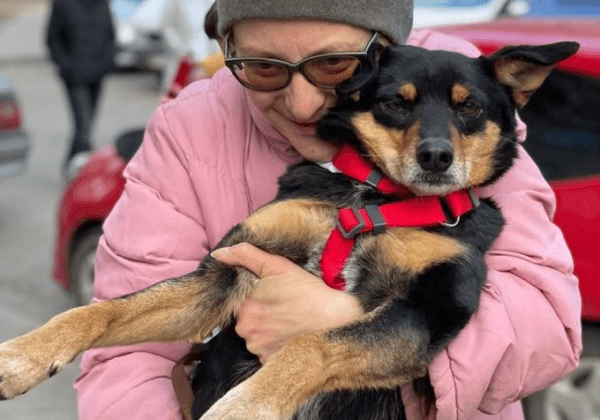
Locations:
(28, 296)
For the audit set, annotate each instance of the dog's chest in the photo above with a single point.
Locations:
(386, 261)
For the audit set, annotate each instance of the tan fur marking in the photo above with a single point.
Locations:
(301, 220)
(168, 311)
(314, 363)
(479, 153)
(391, 149)
(408, 91)
(415, 250)
(460, 94)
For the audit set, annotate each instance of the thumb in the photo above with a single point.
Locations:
(253, 259)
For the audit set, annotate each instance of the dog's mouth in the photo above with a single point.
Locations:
(434, 183)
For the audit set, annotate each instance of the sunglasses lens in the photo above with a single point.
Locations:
(325, 72)
(262, 75)
(328, 72)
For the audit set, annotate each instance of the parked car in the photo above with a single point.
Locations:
(562, 8)
(563, 124)
(563, 120)
(85, 203)
(136, 49)
(153, 34)
(14, 140)
(454, 12)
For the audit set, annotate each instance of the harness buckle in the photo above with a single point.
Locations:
(349, 234)
(374, 213)
(473, 197)
(450, 214)
(451, 224)
(374, 177)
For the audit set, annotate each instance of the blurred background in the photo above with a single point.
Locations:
(49, 225)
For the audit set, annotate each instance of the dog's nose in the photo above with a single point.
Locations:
(435, 155)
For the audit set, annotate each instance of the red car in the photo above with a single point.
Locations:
(85, 203)
(563, 120)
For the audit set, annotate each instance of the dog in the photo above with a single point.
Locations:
(400, 228)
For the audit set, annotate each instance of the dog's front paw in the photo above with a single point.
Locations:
(20, 370)
(239, 404)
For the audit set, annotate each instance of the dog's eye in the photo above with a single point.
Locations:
(469, 109)
(396, 107)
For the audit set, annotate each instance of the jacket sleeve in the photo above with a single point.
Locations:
(57, 34)
(526, 333)
(154, 232)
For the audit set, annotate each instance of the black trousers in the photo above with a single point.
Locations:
(83, 98)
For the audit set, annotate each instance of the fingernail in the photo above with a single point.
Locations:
(221, 252)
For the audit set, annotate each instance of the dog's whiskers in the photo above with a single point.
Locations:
(391, 74)
(510, 140)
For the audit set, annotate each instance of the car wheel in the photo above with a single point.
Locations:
(577, 397)
(81, 269)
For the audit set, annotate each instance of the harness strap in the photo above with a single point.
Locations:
(413, 211)
(353, 164)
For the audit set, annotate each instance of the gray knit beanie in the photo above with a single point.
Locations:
(390, 17)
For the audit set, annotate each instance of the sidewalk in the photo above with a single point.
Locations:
(12, 8)
(22, 27)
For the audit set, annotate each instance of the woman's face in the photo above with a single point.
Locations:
(295, 109)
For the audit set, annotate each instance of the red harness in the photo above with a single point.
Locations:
(409, 211)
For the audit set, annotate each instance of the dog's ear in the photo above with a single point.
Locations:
(351, 89)
(524, 68)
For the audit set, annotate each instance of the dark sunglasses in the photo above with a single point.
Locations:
(325, 71)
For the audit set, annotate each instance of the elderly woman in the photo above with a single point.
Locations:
(213, 155)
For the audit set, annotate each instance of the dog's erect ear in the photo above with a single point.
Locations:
(524, 68)
(351, 89)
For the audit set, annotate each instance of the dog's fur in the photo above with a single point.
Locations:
(418, 286)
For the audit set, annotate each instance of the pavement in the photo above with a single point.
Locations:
(22, 30)
(12, 8)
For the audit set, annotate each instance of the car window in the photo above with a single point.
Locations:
(562, 8)
(563, 126)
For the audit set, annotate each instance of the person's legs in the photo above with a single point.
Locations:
(83, 99)
(95, 89)
(80, 98)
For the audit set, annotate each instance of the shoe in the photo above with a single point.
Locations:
(74, 164)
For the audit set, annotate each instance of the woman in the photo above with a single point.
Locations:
(213, 155)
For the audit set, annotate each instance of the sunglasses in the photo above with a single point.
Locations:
(325, 71)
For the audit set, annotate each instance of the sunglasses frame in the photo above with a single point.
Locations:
(291, 68)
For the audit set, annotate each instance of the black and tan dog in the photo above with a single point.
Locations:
(431, 123)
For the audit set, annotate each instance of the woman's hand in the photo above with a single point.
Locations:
(287, 301)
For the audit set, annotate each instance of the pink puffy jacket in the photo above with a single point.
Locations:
(209, 159)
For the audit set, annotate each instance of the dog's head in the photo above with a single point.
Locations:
(438, 121)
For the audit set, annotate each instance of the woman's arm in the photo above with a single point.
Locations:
(154, 232)
(526, 333)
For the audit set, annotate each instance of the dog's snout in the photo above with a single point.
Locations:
(435, 155)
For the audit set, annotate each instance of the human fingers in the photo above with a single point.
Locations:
(259, 262)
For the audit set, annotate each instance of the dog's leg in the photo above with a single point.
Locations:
(186, 308)
(386, 349)
(431, 299)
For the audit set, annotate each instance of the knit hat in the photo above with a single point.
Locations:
(390, 17)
